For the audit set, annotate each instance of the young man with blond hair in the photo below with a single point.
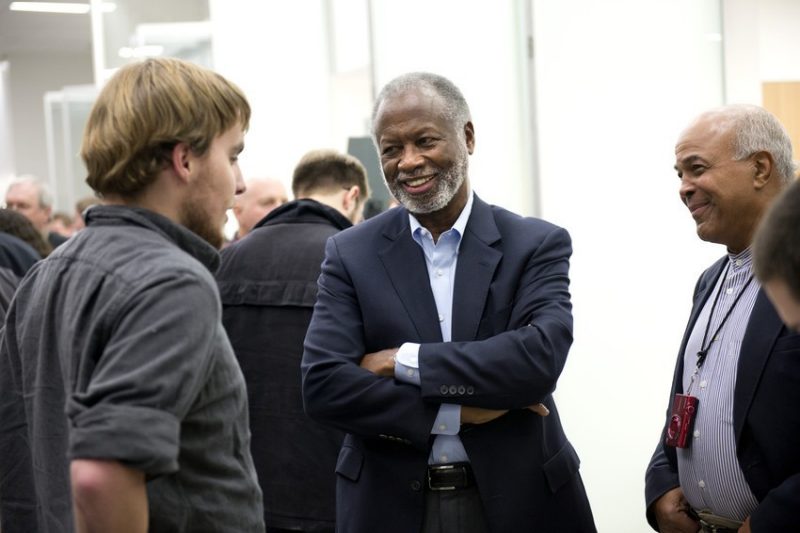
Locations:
(122, 407)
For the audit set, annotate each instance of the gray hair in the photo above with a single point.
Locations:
(454, 106)
(45, 196)
(755, 130)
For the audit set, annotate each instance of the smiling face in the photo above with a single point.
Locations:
(217, 179)
(423, 154)
(720, 192)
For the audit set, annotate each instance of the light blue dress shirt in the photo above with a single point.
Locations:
(441, 258)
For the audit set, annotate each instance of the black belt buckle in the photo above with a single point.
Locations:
(448, 477)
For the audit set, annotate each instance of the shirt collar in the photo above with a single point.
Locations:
(188, 241)
(743, 259)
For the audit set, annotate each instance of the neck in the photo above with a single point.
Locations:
(334, 200)
(156, 197)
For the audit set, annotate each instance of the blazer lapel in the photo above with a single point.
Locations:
(404, 262)
(477, 262)
(763, 329)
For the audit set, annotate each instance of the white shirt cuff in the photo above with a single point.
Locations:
(406, 363)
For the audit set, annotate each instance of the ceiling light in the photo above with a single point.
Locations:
(58, 7)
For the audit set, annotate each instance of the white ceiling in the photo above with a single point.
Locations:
(22, 32)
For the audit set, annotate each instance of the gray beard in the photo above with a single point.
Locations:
(449, 182)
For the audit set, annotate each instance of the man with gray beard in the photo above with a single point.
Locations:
(437, 339)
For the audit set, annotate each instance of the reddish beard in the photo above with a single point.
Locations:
(195, 218)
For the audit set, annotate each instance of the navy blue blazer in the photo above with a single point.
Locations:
(511, 331)
(766, 415)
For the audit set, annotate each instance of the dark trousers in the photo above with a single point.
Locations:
(454, 511)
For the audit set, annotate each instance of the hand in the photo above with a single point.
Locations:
(746, 526)
(671, 512)
(540, 409)
(479, 415)
(380, 363)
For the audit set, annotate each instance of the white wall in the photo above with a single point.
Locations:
(6, 129)
(30, 77)
(779, 40)
(617, 81)
(762, 43)
(276, 52)
(476, 44)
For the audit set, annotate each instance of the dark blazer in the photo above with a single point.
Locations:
(766, 415)
(268, 286)
(511, 331)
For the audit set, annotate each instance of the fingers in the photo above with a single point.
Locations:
(540, 409)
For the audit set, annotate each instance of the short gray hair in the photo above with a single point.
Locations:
(45, 196)
(455, 108)
(756, 129)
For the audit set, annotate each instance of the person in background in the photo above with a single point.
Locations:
(439, 330)
(727, 457)
(122, 406)
(15, 223)
(776, 255)
(81, 206)
(32, 197)
(268, 284)
(261, 196)
(16, 256)
(61, 223)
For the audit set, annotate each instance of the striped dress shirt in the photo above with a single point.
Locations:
(710, 475)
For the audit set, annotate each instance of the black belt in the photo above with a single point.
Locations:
(452, 476)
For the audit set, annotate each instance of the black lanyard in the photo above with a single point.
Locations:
(701, 355)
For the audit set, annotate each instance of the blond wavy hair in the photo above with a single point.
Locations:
(146, 109)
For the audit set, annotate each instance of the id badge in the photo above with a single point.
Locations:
(681, 420)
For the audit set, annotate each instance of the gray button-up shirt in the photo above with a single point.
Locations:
(114, 349)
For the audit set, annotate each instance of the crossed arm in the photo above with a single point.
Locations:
(382, 364)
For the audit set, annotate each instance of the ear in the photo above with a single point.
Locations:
(182, 162)
(351, 197)
(469, 135)
(762, 168)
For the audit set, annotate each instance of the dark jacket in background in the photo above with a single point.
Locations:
(268, 284)
(16, 254)
(56, 239)
(8, 284)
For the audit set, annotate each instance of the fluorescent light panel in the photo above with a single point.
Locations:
(58, 7)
